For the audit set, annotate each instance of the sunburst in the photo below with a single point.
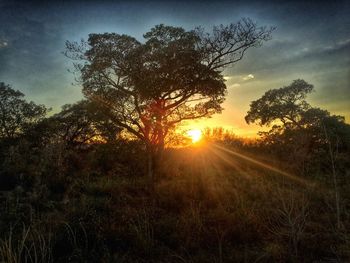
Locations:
(195, 135)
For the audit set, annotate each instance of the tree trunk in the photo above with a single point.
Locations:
(150, 170)
(154, 160)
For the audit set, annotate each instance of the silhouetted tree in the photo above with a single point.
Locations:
(175, 75)
(293, 118)
(84, 122)
(285, 105)
(75, 125)
(16, 114)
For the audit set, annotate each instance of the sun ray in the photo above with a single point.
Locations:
(261, 164)
(224, 157)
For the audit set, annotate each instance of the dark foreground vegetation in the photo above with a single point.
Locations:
(72, 192)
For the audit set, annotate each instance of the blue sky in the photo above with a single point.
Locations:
(311, 41)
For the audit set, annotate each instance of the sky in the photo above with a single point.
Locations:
(311, 42)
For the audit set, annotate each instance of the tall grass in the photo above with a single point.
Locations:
(29, 245)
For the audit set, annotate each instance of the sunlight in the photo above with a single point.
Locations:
(258, 163)
(195, 135)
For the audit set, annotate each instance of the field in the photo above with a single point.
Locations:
(210, 204)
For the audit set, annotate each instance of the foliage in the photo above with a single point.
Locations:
(284, 104)
(175, 75)
(303, 133)
(73, 189)
(16, 113)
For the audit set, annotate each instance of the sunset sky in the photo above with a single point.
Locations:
(311, 42)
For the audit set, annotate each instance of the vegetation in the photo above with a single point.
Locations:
(175, 75)
(16, 113)
(74, 185)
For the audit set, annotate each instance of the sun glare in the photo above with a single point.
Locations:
(195, 135)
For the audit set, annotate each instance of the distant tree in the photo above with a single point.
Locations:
(286, 109)
(293, 120)
(16, 114)
(84, 122)
(175, 75)
(75, 125)
(285, 105)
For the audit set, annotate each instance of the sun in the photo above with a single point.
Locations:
(195, 135)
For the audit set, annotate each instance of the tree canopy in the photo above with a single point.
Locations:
(285, 104)
(75, 125)
(299, 130)
(16, 114)
(149, 87)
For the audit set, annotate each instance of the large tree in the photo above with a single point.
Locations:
(174, 75)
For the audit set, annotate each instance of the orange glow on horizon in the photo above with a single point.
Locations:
(195, 135)
(242, 131)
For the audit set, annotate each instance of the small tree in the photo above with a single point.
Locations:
(149, 87)
(16, 114)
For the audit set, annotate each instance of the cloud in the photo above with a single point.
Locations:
(235, 85)
(318, 51)
(3, 43)
(337, 46)
(248, 77)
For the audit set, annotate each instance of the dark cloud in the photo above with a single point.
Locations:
(29, 42)
(31, 59)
